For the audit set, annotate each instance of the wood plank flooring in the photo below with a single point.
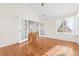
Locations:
(37, 49)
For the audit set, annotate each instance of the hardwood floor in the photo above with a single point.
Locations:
(37, 49)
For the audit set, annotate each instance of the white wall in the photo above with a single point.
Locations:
(51, 30)
(77, 24)
(9, 21)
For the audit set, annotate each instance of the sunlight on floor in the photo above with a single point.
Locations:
(60, 50)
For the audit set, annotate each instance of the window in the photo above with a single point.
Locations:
(33, 26)
(42, 29)
(66, 25)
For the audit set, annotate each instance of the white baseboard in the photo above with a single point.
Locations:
(60, 38)
(4, 45)
(21, 41)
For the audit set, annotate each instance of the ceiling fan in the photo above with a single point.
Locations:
(42, 4)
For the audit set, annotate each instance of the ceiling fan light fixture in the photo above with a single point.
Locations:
(42, 4)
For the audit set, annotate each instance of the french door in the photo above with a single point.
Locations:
(26, 26)
(23, 30)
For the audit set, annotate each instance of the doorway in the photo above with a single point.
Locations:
(23, 36)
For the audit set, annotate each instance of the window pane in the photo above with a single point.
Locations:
(67, 25)
(70, 23)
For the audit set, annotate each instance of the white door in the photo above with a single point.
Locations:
(42, 30)
(33, 26)
(23, 30)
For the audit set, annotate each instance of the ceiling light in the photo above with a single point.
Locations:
(42, 4)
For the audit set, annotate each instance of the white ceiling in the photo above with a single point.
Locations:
(54, 10)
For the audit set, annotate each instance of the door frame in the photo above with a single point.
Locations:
(20, 30)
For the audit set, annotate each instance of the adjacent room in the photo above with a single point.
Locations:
(39, 29)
